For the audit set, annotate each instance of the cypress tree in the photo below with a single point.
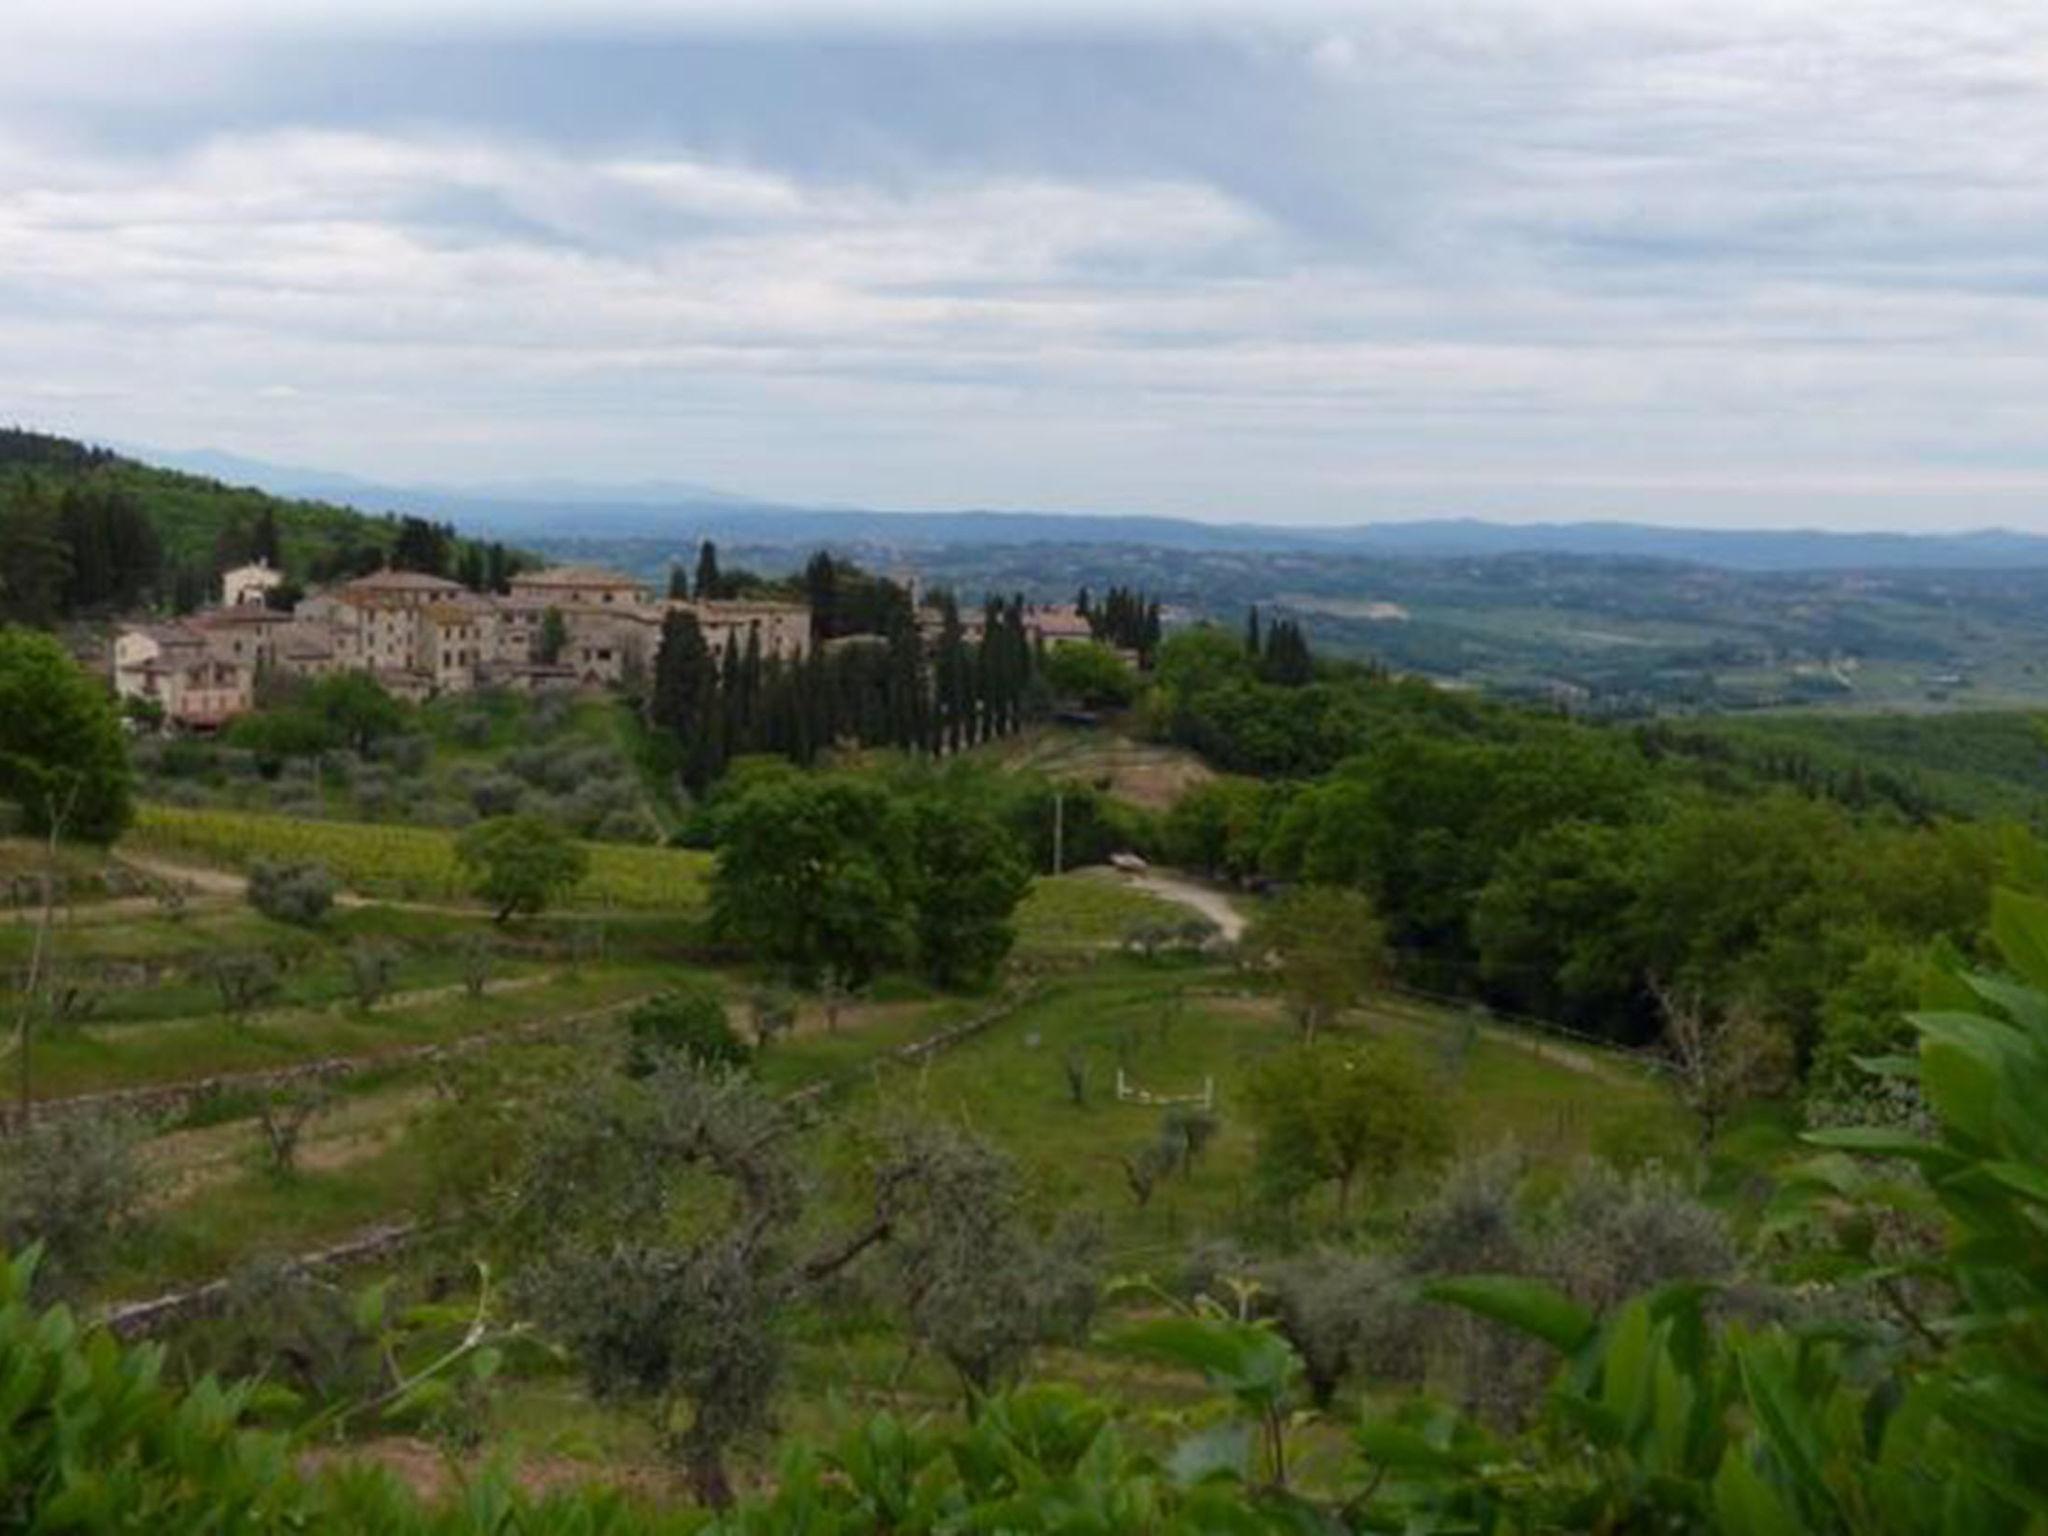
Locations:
(707, 571)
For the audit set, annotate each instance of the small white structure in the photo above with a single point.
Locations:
(249, 585)
(1128, 1092)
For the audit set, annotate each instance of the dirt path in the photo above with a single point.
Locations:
(197, 877)
(209, 881)
(1205, 899)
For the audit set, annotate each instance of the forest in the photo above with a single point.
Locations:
(88, 534)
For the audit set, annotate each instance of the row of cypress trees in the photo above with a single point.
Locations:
(885, 688)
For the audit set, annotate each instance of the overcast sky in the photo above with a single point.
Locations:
(1739, 263)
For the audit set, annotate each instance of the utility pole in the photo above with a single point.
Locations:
(1059, 830)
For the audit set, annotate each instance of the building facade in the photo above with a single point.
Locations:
(422, 635)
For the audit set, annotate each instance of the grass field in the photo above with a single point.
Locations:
(1171, 1031)
(412, 863)
(1087, 909)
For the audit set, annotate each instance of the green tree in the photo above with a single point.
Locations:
(553, 638)
(1220, 827)
(356, 705)
(1091, 673)
(818, 875)
(519, 864)
(1329, 947)
(689, 1024)
(970, 876)
(62, 758)
(35, 561)
(1334, 1117)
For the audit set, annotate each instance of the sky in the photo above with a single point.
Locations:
(1755, 263)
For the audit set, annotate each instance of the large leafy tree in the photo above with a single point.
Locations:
(970, 877)
(357, 707)
(62, 759)
(1336, 1117)
(519, 864)
(817, 874)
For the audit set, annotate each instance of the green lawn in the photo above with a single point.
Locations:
(1087, 909)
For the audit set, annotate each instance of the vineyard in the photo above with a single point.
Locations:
(412, 863)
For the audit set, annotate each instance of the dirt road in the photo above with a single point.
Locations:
(1205, 899)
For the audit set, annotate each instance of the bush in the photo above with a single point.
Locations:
(291, 893)
(72, 1184)
(496, 794)
(691, 1023)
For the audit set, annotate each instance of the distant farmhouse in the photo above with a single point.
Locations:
(423, 635)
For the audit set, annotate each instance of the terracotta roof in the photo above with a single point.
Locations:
(249, 613)
(165, 634)
(741, 608)
(400, 581)
(573, 576)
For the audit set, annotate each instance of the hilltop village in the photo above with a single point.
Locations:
(420, 636)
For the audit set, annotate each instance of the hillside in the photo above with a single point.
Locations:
(64, 505)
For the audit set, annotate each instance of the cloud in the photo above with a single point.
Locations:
(1313, 263)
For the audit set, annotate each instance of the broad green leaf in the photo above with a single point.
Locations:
(2019, 927)
(1530, 1306)
(1745, 1502)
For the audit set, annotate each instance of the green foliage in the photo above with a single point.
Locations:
(1221, 827)
(969, 879)
(1090, 673)
(72, 1185)
(1328, 945)
(291, 893)
(520, 864)
(689, 1024)
(62, 759)
(1335, 1116)
(414, 863)
(977, 1283)
(355, 707)
(816, 875)
(837, 877)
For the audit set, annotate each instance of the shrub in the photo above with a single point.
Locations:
(691, 1024)
(1346, 1314)
(244, 980)
(74, 1185)
(496, 794)
(371, 967)
(288, 892)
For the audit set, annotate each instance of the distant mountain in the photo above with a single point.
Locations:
(1752, 549)
(684, 512)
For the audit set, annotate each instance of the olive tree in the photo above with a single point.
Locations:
(291, 893)
(979, 1283)
(660, 1218)
(74, 1185)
